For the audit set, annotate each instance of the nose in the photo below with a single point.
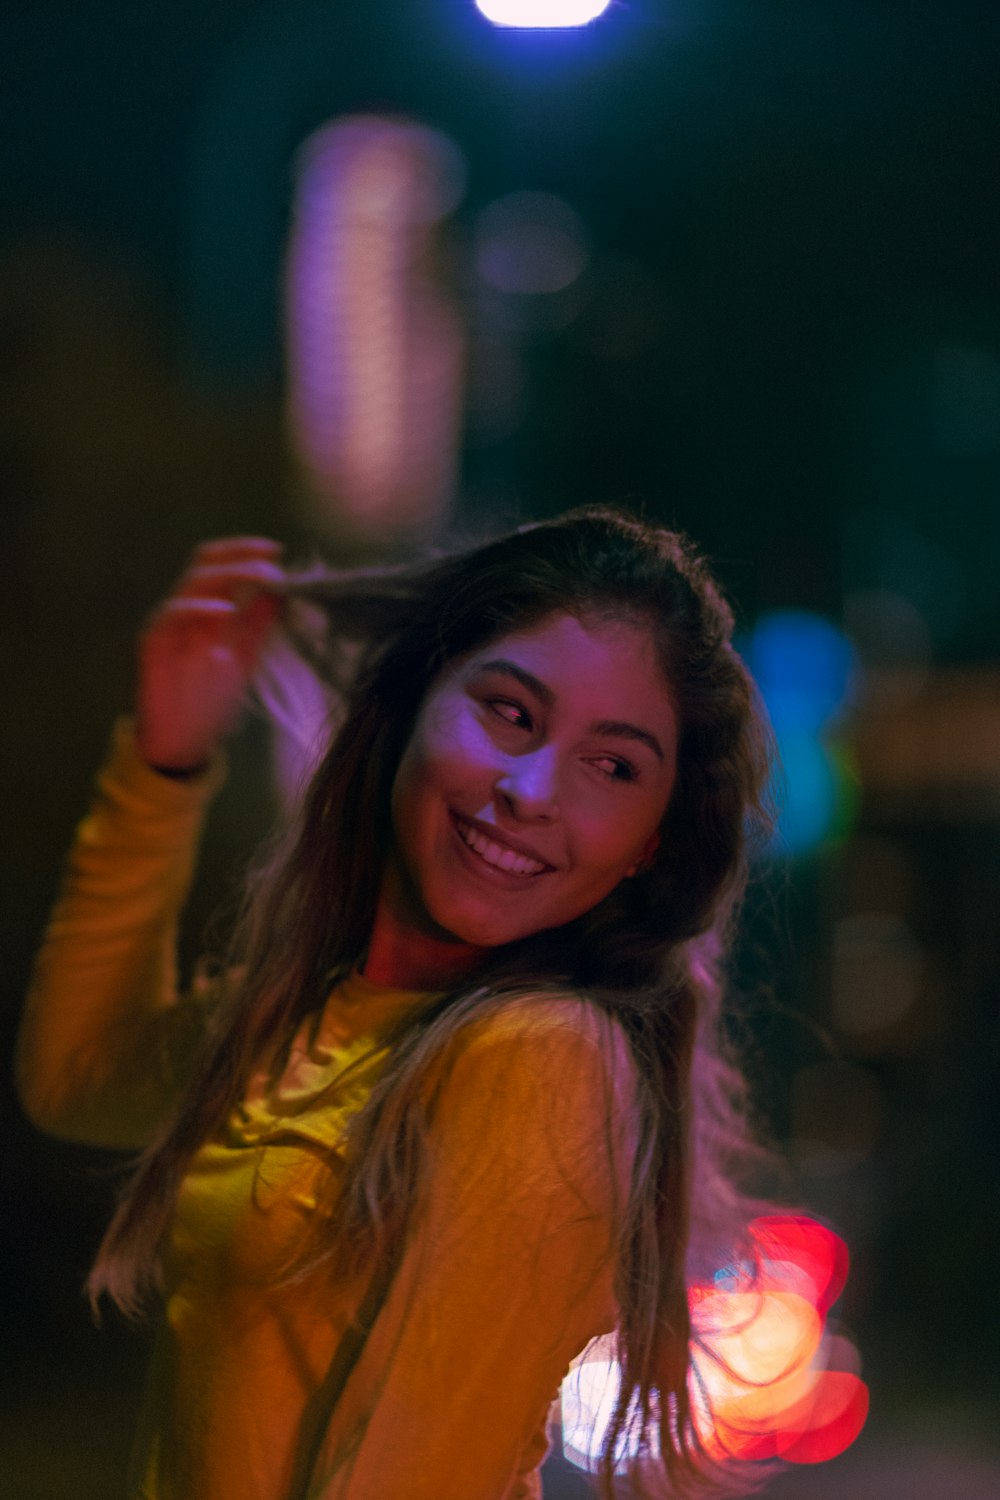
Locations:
(528, 785)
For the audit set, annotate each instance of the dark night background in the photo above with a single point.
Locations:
(787, 341)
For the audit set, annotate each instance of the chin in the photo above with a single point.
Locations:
(478, 929)
(479, 934)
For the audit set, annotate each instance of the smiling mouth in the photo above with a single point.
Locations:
(497, 856)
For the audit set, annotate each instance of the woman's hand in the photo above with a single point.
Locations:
(199, 648)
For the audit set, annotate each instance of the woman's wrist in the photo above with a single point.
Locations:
(179, 773)
(164, 768)
(146, 773)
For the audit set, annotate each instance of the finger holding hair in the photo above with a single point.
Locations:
(200, 647)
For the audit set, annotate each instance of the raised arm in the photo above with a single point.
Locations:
(104, 1038)
(509, 1273)
(101, 1033)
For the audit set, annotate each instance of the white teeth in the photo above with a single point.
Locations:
(496, 855)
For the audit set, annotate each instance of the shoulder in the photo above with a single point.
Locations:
(544, 1068)
(534, 1031)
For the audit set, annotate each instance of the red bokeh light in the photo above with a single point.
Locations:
(770, 1381)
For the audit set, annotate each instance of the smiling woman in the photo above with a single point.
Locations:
(515, 807)
(457, 1104)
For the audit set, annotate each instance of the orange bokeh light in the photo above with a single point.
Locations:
(768, 1380)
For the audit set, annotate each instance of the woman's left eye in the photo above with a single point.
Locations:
(615, 769)
(510, 712)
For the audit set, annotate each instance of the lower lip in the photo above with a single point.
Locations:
(502, 879)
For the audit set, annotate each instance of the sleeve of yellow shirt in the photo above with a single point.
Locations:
(509, 1271)
(103, 1030)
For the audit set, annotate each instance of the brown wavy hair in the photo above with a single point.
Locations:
(650, 957)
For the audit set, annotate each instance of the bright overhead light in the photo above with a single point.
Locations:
(542, 13)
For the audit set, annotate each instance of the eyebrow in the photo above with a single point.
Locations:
(614, 728)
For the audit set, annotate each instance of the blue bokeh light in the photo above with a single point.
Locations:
(806, 669)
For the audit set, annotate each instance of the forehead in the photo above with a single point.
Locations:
(596, 664)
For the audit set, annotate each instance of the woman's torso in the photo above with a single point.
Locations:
(238, 1394)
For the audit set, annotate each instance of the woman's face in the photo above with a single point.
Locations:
(535, 780)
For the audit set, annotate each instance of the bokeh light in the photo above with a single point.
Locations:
(773, 1382)
(530, 244)
(530, 254)
(806, 669)
(799, 1252)
(810, 789)
(878, 969)
(588, 1398)
(375, 346)
(893, 640)
(542, 13)
(769, 1380)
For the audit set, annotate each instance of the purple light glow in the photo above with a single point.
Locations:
(374, 346)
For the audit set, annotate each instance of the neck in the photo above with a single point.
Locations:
(408, 954)
(404, 967)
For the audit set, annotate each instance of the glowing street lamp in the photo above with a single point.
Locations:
(542, 13)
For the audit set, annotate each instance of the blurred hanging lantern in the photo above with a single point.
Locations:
(374, 343)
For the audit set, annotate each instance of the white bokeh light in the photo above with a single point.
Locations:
(542, 13)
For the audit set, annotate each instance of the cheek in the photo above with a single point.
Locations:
(614, 838)
(444, 759)
(606, 850)
(453, 751)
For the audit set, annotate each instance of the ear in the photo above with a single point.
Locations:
(645, 858)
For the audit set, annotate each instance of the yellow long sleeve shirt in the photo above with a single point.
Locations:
(505, 1278)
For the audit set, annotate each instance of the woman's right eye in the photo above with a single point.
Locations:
(510, 712)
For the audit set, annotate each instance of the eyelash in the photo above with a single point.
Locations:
(624, 769)
(509, 703)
